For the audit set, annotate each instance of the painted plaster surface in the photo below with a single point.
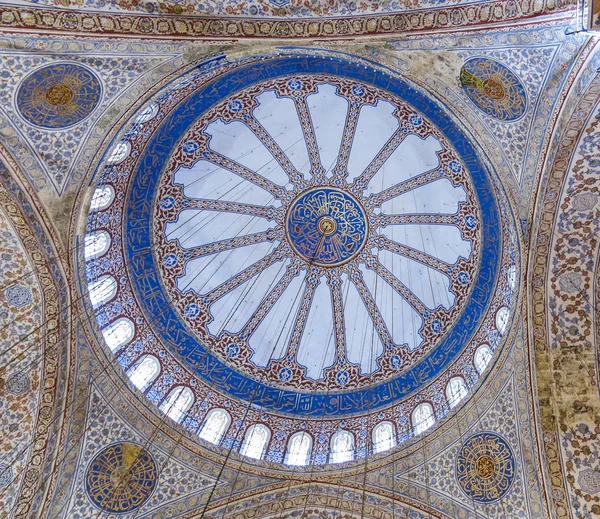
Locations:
(21, 314)
(565, 296)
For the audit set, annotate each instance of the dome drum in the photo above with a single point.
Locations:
(309, 236)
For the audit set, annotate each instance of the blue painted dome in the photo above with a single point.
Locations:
(313, 236)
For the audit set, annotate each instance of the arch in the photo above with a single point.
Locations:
(502, 316)
(342, 447)
(384, 437)
(119, 153)
(118, 333)
(483, 356)
(215, 425)
(299, 449)
(422, 418)
(177, 403)
(456, 390)
(102, 290)
(95, 244)
(144, 372)
(102, 198)
(255, 442)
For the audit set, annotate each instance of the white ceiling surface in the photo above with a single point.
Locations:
(317, 346)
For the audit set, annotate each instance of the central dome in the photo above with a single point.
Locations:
(326, 227)
(317, 232)
(305, 241)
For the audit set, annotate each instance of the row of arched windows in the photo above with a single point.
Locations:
(181, 398)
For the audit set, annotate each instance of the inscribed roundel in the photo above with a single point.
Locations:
(494, 88)
(485, 467)
(121, 478)
(58, 95)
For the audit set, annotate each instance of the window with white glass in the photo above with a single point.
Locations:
(422, 418)
(502, 316)
(119, 153)
(176, 405)
(342, 447)
(512, 276)
(95, 244)
(144, 372)
(483, 356)
(102, 290)
(384, 437)
(148, 113)
(299, 447)
(215, 425)
(255, 441)
(118, 334)
(456, 390)
(102, 197)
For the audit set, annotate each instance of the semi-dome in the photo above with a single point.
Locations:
(301, 255)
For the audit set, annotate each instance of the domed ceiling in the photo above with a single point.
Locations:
(305, 241)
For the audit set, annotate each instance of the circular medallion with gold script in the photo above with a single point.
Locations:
(58, 95)
(485, 467)
(494, 88)
(121, 477)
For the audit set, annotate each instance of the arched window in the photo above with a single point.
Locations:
(119, 153)
(216, 423)
(342, 447)
(95, 244)
(102, 197)
(299, 447)
(384, 437)
(456, 390)
(144, 372)
(483, 355)
(177, 403)
(422, 418)
(148, 113)
(102, 290)
(512, 277)
(255, 441)
(502, 316)
(118, 333)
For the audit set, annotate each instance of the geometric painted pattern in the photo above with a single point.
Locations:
(121, 478)
(58, 96)
(485, 467)
(494, 89)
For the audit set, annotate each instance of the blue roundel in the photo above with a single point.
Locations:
(59, 95)
(494, 88)
(485, 467)
(326, 226)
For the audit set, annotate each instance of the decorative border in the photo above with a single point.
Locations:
(539, 267)
(34, 238)
(194, 27)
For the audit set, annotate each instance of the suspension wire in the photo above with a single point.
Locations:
(58, 344)
(111, 364)
(300, 290)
